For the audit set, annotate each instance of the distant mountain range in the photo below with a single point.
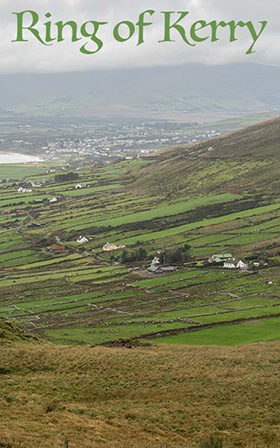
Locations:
(186, 93)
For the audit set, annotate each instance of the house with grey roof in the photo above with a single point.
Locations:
(156, 268)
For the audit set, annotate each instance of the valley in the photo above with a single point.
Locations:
(184, 204)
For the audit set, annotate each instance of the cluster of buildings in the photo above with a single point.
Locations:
(24, 190)
(104, 141)
(17, 212)
(228, 261)
(100, 148)
(157, 268)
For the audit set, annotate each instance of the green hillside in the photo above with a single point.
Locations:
(184, 204)
(246, 161)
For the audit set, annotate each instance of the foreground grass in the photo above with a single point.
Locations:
(141, 397)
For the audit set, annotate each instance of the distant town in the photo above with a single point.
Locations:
(100, 141)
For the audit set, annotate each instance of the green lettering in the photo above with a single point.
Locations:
(254, 34)
(131, 31)
(197, 26)
(60, 27)
(93, 36)
(233, 26)
(214, 25)
(21, 27)
(141, 24)
(48, 26)
(168, 27)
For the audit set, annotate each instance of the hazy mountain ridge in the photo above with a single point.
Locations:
(163, 92)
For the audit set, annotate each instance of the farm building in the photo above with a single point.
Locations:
(33, 184)
(156, 268)
(232, 263)
(24, 190)
(219, 258)
(162, 269)
(82, 240)
(80, 186)
(108, 247)
(53, 200)
(56, 249)
(8, 212)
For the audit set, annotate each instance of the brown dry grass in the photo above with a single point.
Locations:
(140, 397)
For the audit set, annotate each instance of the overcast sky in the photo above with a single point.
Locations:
(60, 57)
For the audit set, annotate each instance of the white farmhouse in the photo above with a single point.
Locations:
(80, 186)
(241, 265)
(232, 263)
(34, 184)
(82, 240)
(24, 190)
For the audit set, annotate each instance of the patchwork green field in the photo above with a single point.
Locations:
(184, 203)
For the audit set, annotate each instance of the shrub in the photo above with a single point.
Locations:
(137, 255)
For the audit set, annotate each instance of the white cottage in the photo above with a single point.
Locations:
(232, 263)
(24, 190)
(82, 240)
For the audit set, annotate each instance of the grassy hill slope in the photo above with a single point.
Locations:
(9, 333)
(247, 160)
(249, 141)
(102, 397)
